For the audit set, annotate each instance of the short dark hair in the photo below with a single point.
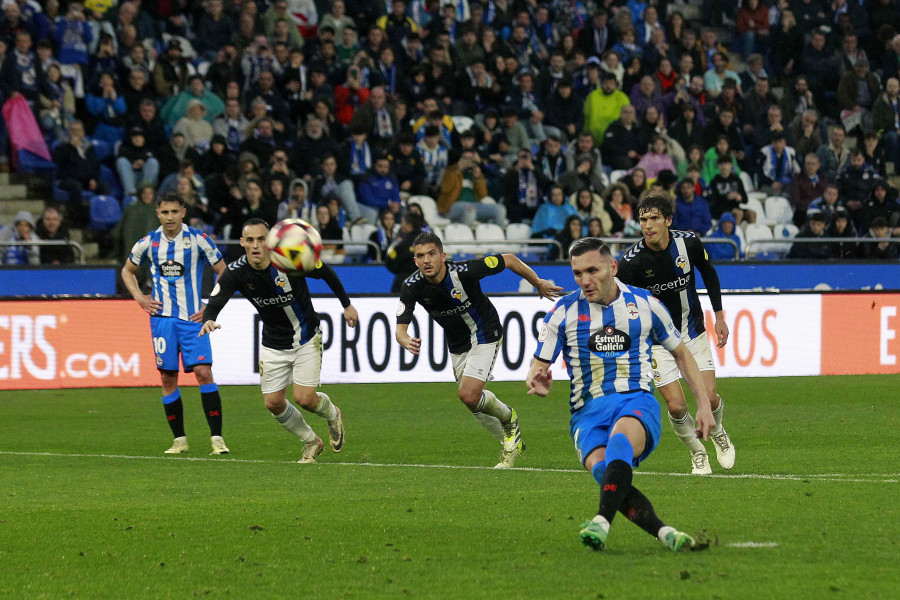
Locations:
(429, 237)
(658, 200)
(254, 221)
(588, 244)
(172, 196)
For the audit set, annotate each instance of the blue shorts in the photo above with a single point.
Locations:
(591, 425)
(173, 336)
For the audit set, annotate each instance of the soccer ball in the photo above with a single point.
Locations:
(294, 246)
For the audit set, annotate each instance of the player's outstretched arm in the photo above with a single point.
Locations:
(147, 303)
(404, 339)
(539, 379)
(691, 373)
(209, 327)
(545, 289)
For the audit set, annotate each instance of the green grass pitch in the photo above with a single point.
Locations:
(91, 508)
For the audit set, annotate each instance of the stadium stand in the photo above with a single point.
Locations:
(264, 91)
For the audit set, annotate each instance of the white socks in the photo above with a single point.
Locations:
(491, 405)
(491, 413)
(325, 408)
(292, 420)
(717, 416)
(663, 532)
(686, 431)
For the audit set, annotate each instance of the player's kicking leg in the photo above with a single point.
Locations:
(611, 466)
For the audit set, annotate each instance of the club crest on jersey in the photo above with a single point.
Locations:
(171, 270)
(280, 281)
(609, 342)
(456, 293)
(632, 310)
(186, 243)
(491, 261)
(681, 262)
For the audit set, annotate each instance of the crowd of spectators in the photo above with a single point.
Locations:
(339, 111)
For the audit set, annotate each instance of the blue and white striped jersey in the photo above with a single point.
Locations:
(606, 348)
(177, 268)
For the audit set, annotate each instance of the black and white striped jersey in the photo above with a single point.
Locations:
(456, 303)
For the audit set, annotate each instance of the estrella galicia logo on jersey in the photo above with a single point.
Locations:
(456, 293)
(491, 261)
(171, 270)
(632, 310)
(609, 342)
(681, 262)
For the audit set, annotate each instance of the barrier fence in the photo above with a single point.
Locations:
(102, 343)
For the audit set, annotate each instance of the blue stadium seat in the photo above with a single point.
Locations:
(32, 163)
(109, 177)
(105, 213)
(102, 149)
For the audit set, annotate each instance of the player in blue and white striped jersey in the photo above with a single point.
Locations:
(605, 332)
(176, 254)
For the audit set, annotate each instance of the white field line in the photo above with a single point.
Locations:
(841, 477)
(753, 545)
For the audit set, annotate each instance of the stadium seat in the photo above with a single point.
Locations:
(491, 234)
(756, 206)
(429, 209)
(32, 163)
(519, 231)
(105, 213)
(457, 232)
(462, 123)
(747, 181)
(778, 210)
(754, 233)
(784, 231)
(101, 148)
(109, 177)
(617, 175)
(126, 201)
(360, 233)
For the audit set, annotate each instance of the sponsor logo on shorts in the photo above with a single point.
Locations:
(609, 342)
(260, 368)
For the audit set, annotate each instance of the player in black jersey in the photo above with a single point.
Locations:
(291, 339)
(451, 293)
(663, 262)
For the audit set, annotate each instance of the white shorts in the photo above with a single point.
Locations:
(477, 363)
(277, 368)
(665, 371)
